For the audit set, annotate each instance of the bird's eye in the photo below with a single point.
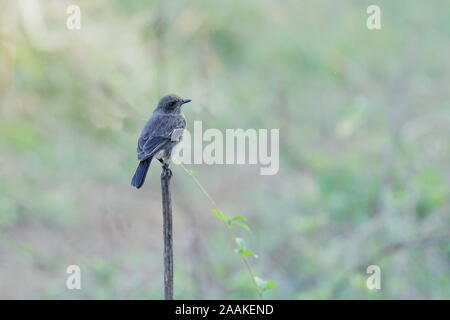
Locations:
(171, 104)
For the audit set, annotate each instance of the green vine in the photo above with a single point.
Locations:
(236, 221)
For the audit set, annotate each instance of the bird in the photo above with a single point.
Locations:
(162, 132)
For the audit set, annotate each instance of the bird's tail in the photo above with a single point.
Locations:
(141, 172)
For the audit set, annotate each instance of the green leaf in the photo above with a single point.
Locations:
(219, 214)
(271, 284)
(265, 285)
(242, 225)
(240, 218)
(242, 250)
(246, 252)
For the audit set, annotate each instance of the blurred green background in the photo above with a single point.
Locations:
(364, 120)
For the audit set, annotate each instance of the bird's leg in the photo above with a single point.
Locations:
(165, 160)
(166, 170)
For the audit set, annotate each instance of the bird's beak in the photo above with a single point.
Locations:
(185, 101)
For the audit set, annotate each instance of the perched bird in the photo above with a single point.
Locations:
(160, 135)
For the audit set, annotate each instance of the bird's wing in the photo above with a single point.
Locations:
(156, 134)
(151, 147)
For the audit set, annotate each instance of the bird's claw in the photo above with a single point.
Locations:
(166, 171)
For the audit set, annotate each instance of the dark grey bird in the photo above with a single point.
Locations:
(160, 135)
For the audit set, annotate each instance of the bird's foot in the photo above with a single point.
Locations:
(166, 171)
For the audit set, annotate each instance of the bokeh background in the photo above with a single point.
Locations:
(364, 119)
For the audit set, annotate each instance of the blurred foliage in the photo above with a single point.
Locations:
(364, 120)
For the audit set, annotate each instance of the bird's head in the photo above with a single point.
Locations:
(171, 103)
